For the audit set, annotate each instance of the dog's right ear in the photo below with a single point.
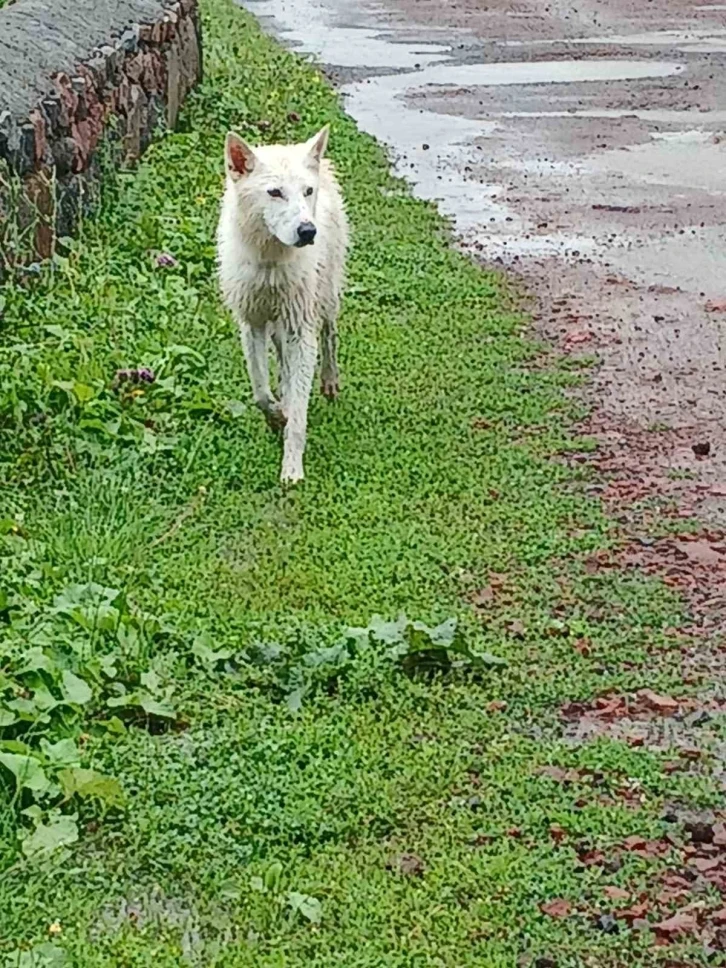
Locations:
(239, 156)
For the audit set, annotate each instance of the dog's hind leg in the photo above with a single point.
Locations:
(254, 344)
(329, 377)
(300, 353)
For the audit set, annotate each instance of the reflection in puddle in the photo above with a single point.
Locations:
(684, 160)
(524, 72)
(697, 266)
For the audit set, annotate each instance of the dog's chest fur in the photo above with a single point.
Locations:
(262, 289)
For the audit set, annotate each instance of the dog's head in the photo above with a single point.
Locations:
(277, 185)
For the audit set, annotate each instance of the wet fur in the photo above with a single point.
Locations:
(275, 291)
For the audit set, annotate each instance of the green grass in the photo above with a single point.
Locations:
(432, 473)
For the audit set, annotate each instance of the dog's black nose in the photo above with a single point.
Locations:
(306, 233)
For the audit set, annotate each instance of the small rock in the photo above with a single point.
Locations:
(690, 753)
(409, 864)
(665, 705)
(700, 832)
(702, 449)
(482, 597)
(704, 864)
(616, 893)
(558, 908)
(608, 924)
(634, 842)
(677, 926)
(293, 117)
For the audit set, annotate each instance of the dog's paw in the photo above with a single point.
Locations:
(291, 475)
(330, 388)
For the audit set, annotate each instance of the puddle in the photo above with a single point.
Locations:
(326, 33)
(682, 160)
(524, 72)
(690, 41)
(686, 41)
(694, 137)
(703, 118)
(438, 171)
(697, 267)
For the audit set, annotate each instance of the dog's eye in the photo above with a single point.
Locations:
(308, 191)
(274, 192)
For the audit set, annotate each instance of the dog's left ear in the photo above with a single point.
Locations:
(318, 143)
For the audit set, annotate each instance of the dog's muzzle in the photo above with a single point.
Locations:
(306, 233)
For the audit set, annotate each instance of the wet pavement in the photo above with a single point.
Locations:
(583, 147)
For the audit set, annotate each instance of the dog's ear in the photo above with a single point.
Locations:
(318, 143)
(239, 156)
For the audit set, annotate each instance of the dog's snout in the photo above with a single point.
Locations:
(306, 233)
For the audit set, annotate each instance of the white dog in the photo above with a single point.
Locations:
(282, 242)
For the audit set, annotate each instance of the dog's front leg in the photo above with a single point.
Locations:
(254, 344)
(300, 354)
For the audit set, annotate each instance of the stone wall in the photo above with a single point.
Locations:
(81, 80)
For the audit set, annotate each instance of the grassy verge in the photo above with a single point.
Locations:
(218, 782)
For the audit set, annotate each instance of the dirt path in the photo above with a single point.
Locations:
(579, 144)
